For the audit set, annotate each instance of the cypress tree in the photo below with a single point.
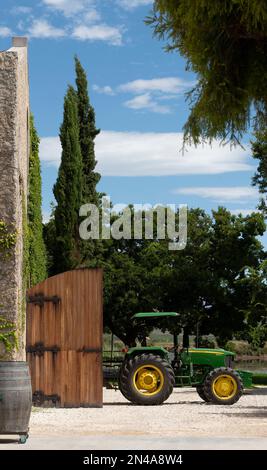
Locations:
(88, 133)
(68, 190)
(37, 251)
(92, 250)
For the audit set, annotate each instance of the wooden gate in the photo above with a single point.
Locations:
(64, 339)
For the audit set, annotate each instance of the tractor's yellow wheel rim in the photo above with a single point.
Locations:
(148, 380)
(224, 387)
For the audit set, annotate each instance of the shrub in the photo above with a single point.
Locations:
(239, 347)
(207, 341)
(259, 379)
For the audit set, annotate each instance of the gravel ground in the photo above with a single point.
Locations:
(184, 414)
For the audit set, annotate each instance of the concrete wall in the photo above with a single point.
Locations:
(14, 161)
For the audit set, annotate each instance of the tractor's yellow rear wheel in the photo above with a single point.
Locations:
(223, 386)
(146, 379)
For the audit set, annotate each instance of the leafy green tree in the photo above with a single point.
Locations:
(254, 285)
(254, 291)
(129, 281)
(234, 246)
(124, 295)
(225, 44)
(37, 250)
(257, 336)
(68, 190)
(144, 275)
(202, 283)
(259, 152)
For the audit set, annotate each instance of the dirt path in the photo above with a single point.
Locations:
(184, 414)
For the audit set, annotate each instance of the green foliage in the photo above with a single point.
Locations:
(207, 341)
(206, 283)
(7, 239)
(233, 247)
(10, 332)
(254, 285)
(68, 190)
(259, 152)
(21, 322)
(239, 347)
(8, 335)
(37, 251)
(49, 239)
(224, 44)
(124, 295)
(257, 336)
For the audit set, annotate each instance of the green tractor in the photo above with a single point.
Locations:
(148, 375)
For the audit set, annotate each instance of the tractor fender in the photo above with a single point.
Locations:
(158, 351)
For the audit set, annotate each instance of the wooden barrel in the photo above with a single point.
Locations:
(15, 397)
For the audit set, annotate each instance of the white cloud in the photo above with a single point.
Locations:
(22, 10)
(42, 29)
(153, 92)
(86, 19)
(5, 32)
(161, 85)
(46, 216)
(98, 32)
(68, 7)
(50, 150)
(92, 16)
(163, 88)
(131, 4)
(74, 8)
(154, 154)
(150, 93)
(241, 194)
(146, 102)
(105, 90)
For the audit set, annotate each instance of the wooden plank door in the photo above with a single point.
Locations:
(64, 339)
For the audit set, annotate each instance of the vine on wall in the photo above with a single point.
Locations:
(7, 239)
(8, 335)
(8, 332)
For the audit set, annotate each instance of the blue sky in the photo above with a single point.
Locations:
(137, 90)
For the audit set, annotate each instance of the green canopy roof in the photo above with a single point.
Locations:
(155, 314)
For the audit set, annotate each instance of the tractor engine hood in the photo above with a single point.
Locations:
(207, 357)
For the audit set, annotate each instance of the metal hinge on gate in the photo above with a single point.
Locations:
(39, 349)
(40, 299)
(90, 350)
(39, 398)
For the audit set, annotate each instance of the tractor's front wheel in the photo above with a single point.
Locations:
(223, 386)
(146, 379)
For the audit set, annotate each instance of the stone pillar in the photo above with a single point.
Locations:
(14, 162)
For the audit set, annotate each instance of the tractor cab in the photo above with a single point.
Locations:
(195, 356)
(153, 319)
